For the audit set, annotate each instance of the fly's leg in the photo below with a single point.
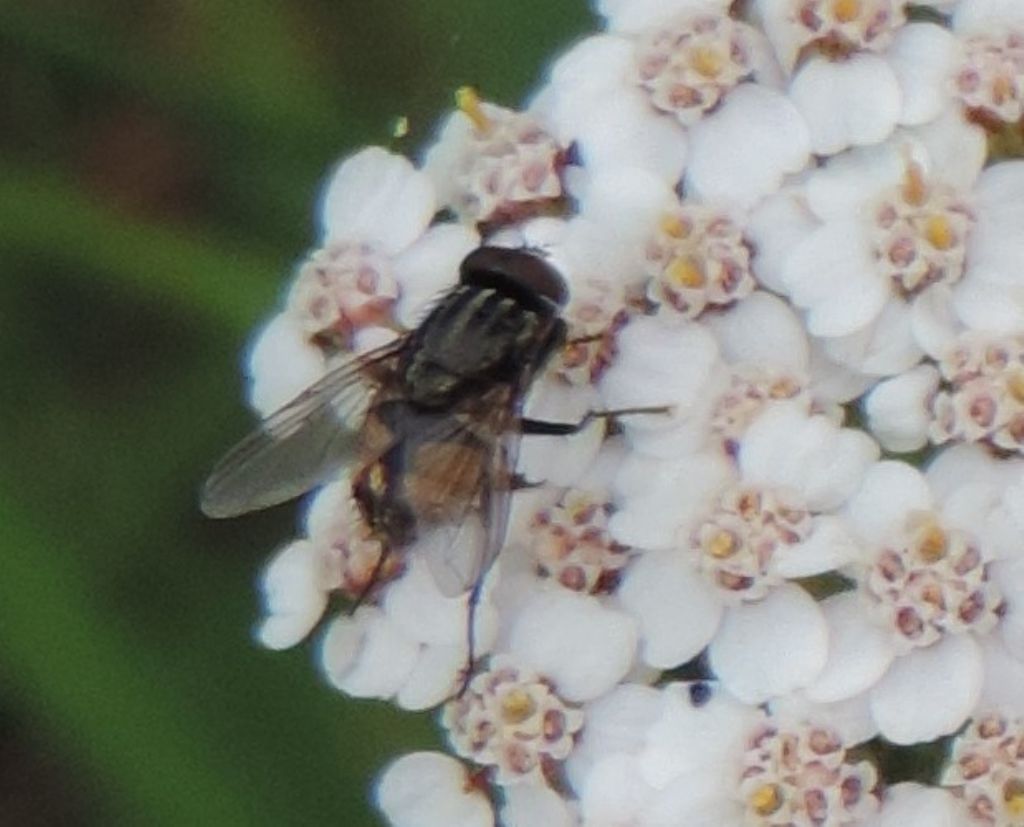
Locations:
(541, 427)
(473, 602)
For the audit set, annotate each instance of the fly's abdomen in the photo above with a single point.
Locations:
(377, 490)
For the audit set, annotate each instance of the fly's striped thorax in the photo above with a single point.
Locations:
(475, 338)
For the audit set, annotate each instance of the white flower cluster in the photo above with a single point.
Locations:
(781, 219)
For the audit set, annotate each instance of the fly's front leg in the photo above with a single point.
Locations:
(542, 427)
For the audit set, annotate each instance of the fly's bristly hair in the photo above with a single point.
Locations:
(427, 425)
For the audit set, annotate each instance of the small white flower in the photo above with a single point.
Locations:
(929, 597)
(629, 99)
(492, 164)
(588, 102)
(414, 647)
(428, 789)
(719, 564)
(377, 265)
(571, 542)
(581, 644)
(985, 769)
(717, 377)
(696, 756)
(905, 229)
(510, 719)
(856, 73)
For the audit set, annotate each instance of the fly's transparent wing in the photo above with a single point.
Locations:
(460, 550)
(302, 444)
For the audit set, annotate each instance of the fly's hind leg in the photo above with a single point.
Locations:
(470, 668)
(541, 427)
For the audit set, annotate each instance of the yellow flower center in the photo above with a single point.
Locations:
(932, 544)
(707, 62)
(1015, 385)
(685, 272)
(1013, 796)
(674, 227)
(722, 545)
(846, 11)
(517, 706)
(766, 799)
(939, 232)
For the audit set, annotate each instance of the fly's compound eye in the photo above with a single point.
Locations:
(519, 272)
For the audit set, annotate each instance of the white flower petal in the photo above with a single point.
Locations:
(978, 16)
(762, 330)
(1010, 576)
(588, 72)
(294, 595)
(850, 718)
(560, 460)
(734, 164)
(417, 607)
(626, 202)
(954, 150)
(434, 678)
(995, 246)
(885, 347)
(771, 647)
(429, 267)
(915, 805)
(592, 102)
(982, 305)
(624, 132)
(859, 652)
(367, 656)
(834, 382)
(678, 609)
(832, 273)
(829, 546)
(848, 103)
(891, 490)
(850, 182)
(615, 723)
(660, 502)
(784, 447)
(582, 646)
(613, 792)
(933, 321)
(379, 197)
(1004, 677)
(531, 805)
(695, 799)
(428, 789)
(922, 55)
(775, 227)
(281, 364)
(688, 737)
(929, 692)
(897, 409)
(660, 364)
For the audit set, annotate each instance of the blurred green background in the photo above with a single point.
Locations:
(159, 162)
